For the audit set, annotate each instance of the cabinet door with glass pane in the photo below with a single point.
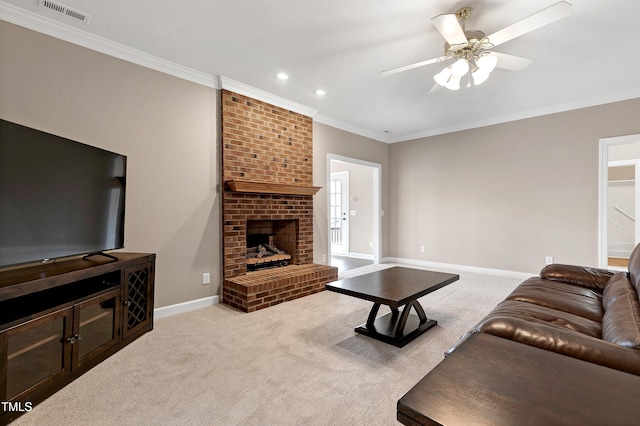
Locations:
(34, 354)
(96, 326)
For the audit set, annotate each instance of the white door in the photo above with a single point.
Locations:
(339, 218)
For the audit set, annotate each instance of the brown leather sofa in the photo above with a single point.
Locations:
(586, 313)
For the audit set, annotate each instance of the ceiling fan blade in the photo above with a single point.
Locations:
(510, 62)
(537, 20)
(450, 28)
(436, 88)
(411, 66)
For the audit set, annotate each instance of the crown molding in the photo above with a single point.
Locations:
(62, 31)
(244, 89)
(332, 122)
(631, 93)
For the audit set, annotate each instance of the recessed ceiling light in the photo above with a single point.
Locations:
(282, 76)
(320, 92)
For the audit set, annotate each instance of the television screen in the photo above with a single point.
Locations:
(58, 197)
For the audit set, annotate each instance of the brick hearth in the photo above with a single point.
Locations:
(261, 289)
(264, 144)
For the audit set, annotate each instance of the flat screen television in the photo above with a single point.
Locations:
(58, 197)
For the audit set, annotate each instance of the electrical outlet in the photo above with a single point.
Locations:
(324, 258)
(548, 260)
(421, 249)
(370, 243)
(206, 278)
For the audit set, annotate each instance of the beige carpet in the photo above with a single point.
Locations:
(297, 363)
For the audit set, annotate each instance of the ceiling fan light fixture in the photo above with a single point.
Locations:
(454, 83)
(460, 67)
(471, 50)
(479, 77)
(443, 76)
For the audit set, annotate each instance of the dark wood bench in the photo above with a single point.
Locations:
(489, 380)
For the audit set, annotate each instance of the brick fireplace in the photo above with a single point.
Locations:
(267, 170)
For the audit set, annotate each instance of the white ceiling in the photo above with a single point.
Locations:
(341, 46)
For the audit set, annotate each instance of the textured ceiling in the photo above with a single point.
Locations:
(342, 46)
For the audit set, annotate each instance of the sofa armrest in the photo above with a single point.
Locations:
(592, 278)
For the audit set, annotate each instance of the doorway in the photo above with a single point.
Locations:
(622, 229)
(619, 200)
(353, 211)
(338, 215)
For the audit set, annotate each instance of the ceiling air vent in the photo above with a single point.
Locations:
(64, 10)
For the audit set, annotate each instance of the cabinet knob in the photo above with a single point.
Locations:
(127, 303)
(71, 340)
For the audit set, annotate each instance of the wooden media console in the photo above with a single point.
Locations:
(60, 319)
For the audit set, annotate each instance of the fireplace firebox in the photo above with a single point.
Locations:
(271, 243)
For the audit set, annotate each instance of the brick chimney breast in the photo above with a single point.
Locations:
(266, 144)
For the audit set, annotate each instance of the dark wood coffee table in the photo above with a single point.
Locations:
(493, 381)
(394, 287)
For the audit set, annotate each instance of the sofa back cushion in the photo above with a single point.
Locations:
(592, 278)
(621, 320)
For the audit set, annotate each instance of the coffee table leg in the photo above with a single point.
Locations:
(418, 307)
(390, 328)
(399, 332)
(372, 316)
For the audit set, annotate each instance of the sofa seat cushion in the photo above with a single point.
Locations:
(621, 321)
(508, 316)
(560, 296)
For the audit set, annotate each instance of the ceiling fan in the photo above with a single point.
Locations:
(471, 50)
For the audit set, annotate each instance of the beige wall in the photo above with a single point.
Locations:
(505, 196)
(166, 127)
(329, 140)
(502, 196)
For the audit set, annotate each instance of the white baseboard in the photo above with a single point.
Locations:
(460, 268)
(619, 254)
(179, 308)
(361, 256)
(620, 249)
